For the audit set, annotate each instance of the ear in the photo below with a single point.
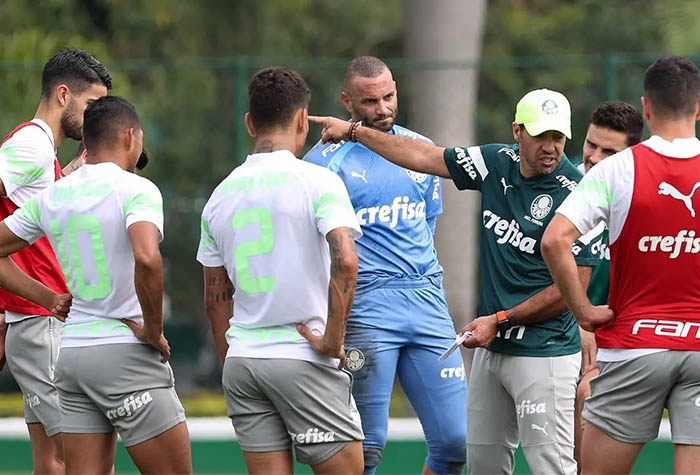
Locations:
(63, 95)
(697, 111)
(249, 124)
(516, 132)
(346, 101)
(646, 108)
(129, 138)
(303, 125)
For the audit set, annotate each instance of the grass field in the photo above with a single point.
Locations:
(214, 450)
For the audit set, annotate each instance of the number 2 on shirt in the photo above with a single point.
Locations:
(246, 250)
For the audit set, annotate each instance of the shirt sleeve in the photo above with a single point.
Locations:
(589, 203)
(144, 203)
(433, 198)
(317, 154)
(331, 205)
(26, 164)
(208, 252)
(467, 167)
(25, 223)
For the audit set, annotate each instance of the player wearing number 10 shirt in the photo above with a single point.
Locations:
(105, 223)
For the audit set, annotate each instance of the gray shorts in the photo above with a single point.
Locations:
(628, 397)
(118, 386)
(31, 348)
(279, 403)
(521, 399)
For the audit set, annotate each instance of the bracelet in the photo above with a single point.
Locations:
(352, 131)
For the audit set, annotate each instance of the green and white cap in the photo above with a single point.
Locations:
(542, 110)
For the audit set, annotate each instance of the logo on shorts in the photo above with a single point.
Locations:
(130, 406)
(529, 407)
(541, 429)
(354, 359)
(697, 402)
(312, 436)
(32, 400)
(541, 206)
(458, 372)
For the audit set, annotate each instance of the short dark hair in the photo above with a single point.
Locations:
(672, 86)
(105, 118)
(364, 66)
(76, 68)
(143, 160)
(274, 96)
(621, 117)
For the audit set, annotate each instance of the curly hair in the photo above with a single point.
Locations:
(274, 96)
(621, 117)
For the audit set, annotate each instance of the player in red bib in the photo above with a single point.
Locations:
(70, 81)
(649, 337)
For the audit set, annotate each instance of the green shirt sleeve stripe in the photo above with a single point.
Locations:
(143, 202)
(329, 202)
(31, 211)
(205, 240)
(21, 172)
(596, 191)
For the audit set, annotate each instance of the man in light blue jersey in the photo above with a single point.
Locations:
(399, 323)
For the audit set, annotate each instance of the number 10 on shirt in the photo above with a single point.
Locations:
(76, 279)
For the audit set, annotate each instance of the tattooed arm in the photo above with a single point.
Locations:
(218, 304)
(341, 292)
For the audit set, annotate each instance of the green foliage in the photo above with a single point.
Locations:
(570, 46)
(186, 65)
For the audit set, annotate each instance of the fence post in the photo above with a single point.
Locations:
(241, 80)
(610, 75)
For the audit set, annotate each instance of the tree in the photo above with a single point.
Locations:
(443, 102)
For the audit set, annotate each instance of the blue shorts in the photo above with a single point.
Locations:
(401, 329)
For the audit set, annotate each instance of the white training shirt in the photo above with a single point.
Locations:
(26, 168)
(27, 162)
(266, 224)
(86, 216)
(605, 195)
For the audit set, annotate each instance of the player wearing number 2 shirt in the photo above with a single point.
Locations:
(278, 238)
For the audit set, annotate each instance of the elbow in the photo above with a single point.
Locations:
(148, 261)
(348, 264)
(551, 245)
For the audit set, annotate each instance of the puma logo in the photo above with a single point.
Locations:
(362, 177)
(505, 185)
(672, 191)
(542, 429)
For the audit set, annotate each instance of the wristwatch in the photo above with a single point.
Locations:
(502, 321)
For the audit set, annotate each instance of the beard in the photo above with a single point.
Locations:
(371, 123)
(71, 124)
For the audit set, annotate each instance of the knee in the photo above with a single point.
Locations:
(583, 391)
(51, 465)
(448, 458)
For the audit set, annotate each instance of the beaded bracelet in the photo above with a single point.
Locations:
(352, 131)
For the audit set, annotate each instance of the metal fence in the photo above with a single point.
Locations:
(192, 111)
